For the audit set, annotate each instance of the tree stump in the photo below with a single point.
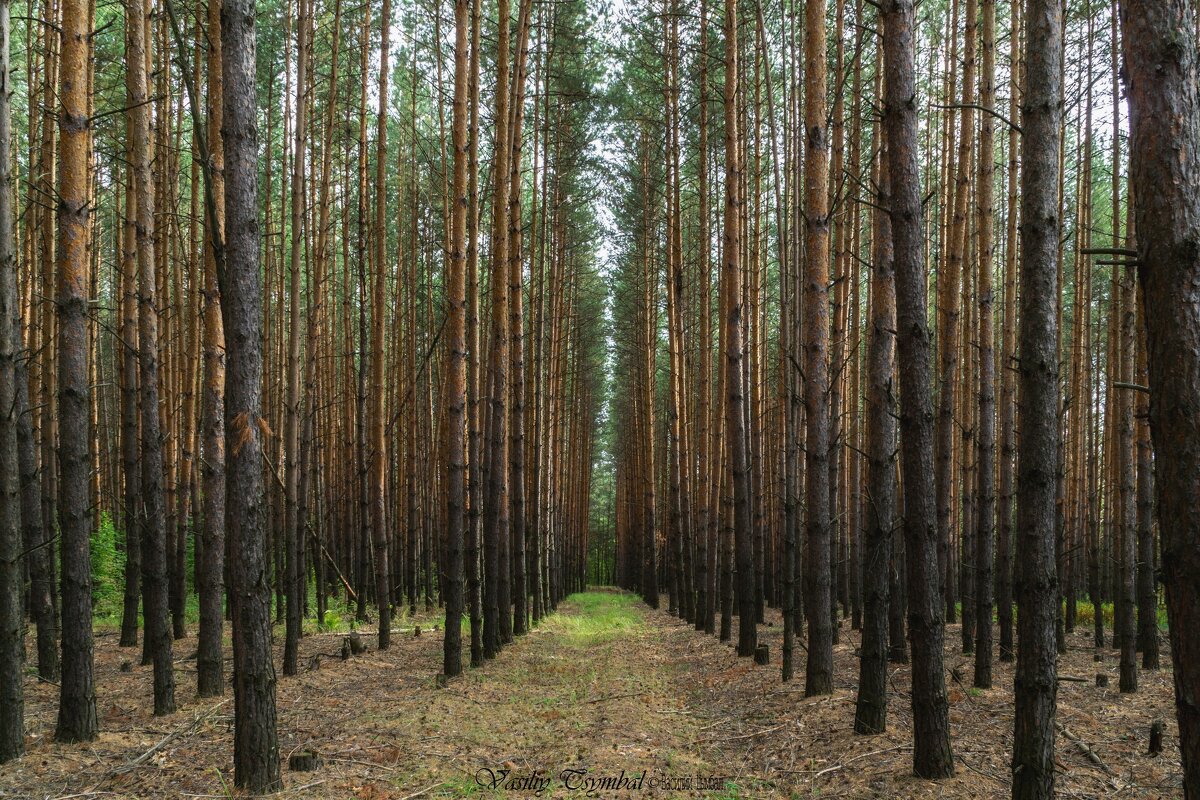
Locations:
(1101, 680)
(762, 655)
(304, 761)
(126, 666)
(1156, 734)
(417, 632)
(353, 645)
(314, 663)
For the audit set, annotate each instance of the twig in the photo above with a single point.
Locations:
(1085, 749)
(614, 697)
(861, 756)
(163, 742)
(308, 785)
(362, 763)
(744, 735)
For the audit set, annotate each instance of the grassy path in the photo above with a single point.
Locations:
(591, 690)
(602, 686)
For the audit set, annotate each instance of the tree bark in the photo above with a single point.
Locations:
(256, 744)
(932, 757)
(818, 539)
(12, 622)
(1163, 80)
(735, 415)
(1037, 434)
(871, 712)
(77, 721)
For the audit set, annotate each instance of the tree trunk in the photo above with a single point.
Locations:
(378, 453)
(12, 622)
(986, 429)
(77, 721)
(255, 745)
(154, 534)
(818, 537)
(871, 712)
(931, 735)
(1037, 435)
(456, 394)
(210, 669)
(1162, 73)
(735, 415)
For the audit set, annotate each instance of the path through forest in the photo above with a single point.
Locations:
(603, 685)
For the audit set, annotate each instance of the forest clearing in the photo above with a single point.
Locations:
(717, 398)
(603, 685)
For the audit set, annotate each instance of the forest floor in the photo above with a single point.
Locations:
(605, 688)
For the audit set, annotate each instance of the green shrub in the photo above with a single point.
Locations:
(108, 568)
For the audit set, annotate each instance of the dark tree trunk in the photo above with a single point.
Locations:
(129, 418)
(1037, 434)
(735, 413)
(1163, 75)
(154, 533)
(255, 745)
(210, 669)
(12, 622)
(871, 713)
(931, 725)
(1147, 589)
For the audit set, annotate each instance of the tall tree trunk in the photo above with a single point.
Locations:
(153, 531)
(931, 725)
(1037, 435)
(735, 387)
(986, 428)
(818, 537)
(376, 412)
(293, 540)
(516, 449)
(474, 405)
(1147, 584)
(1008, 340)
(456, 394)
(77, 721)
(131, 517)
(255, 741)
(495, 504)
(1162, 68)
(210, 662)
(12, 622)
(871, 712)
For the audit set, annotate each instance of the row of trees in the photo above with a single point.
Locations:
(931, 347)
(251, 320)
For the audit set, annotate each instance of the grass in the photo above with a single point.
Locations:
(601, 617)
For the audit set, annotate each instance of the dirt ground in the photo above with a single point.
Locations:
(605, 689)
